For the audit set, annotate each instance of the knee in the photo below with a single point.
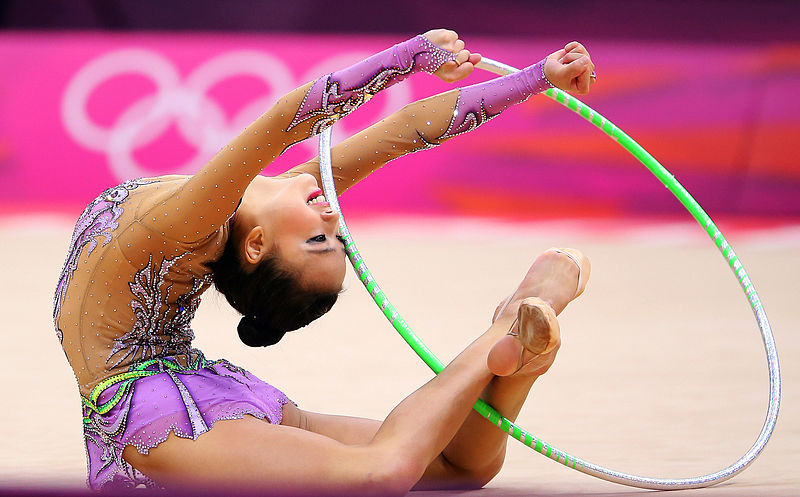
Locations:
(395, 474)
(478, 477)
(486, 474)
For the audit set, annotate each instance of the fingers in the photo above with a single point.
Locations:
(462, 56)
(451, 72)
(576, 73)
(570, 57)
(462, 71)
(455, 70)
(441, 36)
(464, 62)
(574, 46)
(446, 39)
(557, 55)
(583, 82)
(576, 67)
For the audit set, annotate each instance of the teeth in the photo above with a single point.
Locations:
(316, 200)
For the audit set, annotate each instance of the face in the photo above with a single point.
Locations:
(290, 218)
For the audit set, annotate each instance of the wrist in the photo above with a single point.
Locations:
(535, 79)
(479, 103)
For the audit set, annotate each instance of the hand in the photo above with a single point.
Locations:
(464, 64)
(571, 69)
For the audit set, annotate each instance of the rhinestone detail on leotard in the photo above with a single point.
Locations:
(155, 332)
(95, 223)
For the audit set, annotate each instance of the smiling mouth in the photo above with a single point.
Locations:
(316, 197)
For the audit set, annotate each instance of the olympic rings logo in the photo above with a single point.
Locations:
(199, 119)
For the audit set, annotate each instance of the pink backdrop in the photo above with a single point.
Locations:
(83, 111)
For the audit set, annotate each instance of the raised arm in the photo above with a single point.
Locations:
(432, 121)
(204, 202)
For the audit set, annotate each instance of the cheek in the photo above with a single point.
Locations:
(342, 270)
(335, 273)
(290, 216)
(326, 276)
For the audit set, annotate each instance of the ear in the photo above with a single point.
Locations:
(254, 247)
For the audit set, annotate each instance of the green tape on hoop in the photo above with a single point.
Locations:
(506, 425)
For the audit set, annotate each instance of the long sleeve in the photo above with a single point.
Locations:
(198, 207)
(425, 124)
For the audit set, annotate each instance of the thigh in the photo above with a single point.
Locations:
(292, 416)
(249, 453)
(348, 430)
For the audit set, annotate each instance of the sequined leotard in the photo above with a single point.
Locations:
(138, 260)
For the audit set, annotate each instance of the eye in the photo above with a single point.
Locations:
(317, 239)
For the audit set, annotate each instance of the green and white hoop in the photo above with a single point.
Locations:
(509, 427)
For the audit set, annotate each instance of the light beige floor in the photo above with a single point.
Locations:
(661, 371)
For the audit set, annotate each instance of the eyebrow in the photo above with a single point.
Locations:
(322, 250)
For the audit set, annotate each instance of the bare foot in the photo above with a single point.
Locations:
(555, 278)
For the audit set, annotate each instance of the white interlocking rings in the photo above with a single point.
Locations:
(200, 120)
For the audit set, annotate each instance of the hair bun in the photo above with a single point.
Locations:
(258, 333)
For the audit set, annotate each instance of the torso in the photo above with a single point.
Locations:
(128, 290)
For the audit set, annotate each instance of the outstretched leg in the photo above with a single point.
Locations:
(476, 452)
(555, 278)
(428, 438)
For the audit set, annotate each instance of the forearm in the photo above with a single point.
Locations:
(398, 134)
(317, 105)
(425, 124)
(335, 95)
(215, 191)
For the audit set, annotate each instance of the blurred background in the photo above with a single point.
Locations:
(96, 92)
(661, 370)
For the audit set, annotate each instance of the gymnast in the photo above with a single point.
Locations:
(157, 412)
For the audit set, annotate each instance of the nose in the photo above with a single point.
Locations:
(330, 216)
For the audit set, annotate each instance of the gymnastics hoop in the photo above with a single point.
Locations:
(509, 427)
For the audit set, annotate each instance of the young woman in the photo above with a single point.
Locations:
(157, 412)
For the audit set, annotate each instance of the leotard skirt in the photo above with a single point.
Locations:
(155, 397)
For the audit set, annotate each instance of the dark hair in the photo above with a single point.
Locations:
(270, 297)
